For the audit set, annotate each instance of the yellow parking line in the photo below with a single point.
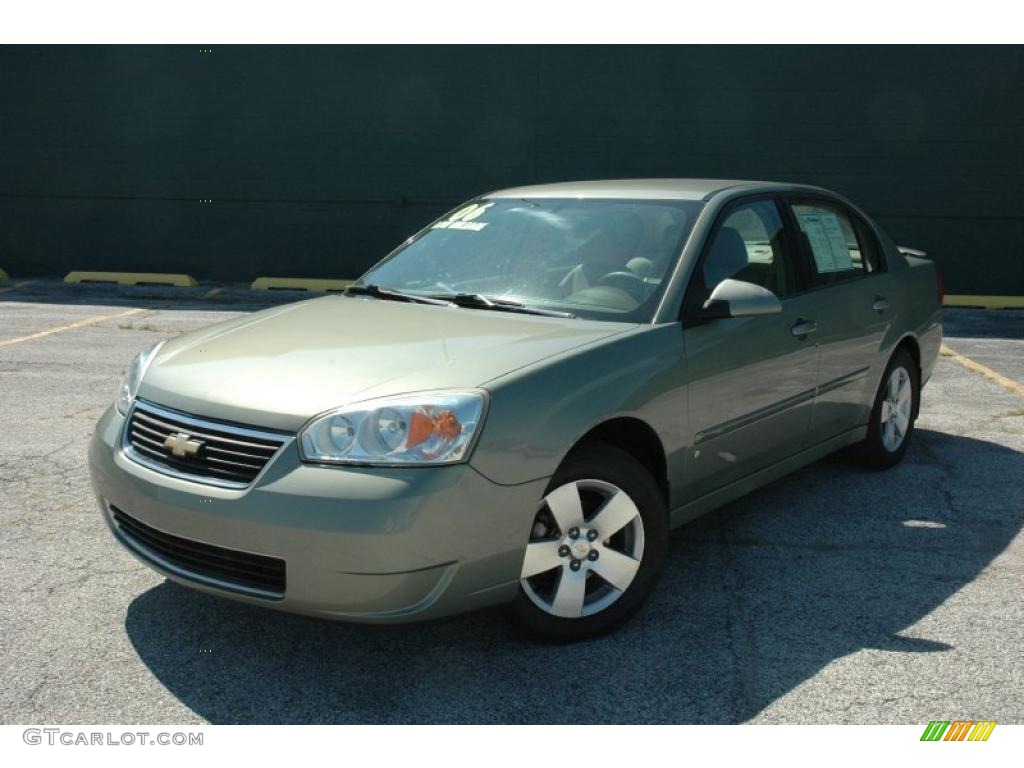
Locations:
(984, 370)
(78, 324)
(22, 284)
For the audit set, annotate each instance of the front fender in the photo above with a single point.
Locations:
(539, 413)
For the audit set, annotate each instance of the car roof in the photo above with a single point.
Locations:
(649, 189)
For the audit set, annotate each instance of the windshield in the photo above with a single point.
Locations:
(599, 259)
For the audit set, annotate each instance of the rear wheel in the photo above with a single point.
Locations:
(894, 412)
(596, 549)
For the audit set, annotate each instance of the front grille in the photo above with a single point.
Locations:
(226, 568)
(217, 452)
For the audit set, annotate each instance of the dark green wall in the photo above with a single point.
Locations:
(320, 159)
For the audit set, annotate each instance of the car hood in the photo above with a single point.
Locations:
(279, 367)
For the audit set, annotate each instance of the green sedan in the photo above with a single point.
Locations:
(520, 401)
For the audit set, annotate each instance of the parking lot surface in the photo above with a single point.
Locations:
(835, 595)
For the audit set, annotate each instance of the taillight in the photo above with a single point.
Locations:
(938, 284)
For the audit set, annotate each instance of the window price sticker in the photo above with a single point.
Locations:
(828, 243)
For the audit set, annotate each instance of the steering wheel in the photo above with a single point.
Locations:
(625, 281)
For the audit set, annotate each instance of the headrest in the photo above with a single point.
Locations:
(727, 257)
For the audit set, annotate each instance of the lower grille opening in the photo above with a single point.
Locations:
(228, 567)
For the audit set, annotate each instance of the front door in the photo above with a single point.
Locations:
(751, 379)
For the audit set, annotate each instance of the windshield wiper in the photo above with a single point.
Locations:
(479, 301)
(467, 300)
(388, 294)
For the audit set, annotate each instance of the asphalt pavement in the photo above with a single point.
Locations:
(835, 595)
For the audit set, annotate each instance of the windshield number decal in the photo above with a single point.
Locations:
(464, 218)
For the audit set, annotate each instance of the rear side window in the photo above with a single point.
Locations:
(869, 247)
(839, 248)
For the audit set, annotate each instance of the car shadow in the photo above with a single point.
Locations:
(756, 599)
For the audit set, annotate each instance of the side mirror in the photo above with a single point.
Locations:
(735, 298)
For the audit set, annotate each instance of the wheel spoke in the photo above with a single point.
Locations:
(564, 503)
(886, 410)
(904, 391)
(903, 417)
(904, 405)
(569, 595)
(616, 568)
(615, 515)
(887, 434)
(541, 556)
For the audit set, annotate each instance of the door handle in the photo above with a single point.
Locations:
(881, 304)
(803, 328)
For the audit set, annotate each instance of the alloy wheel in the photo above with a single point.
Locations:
(896, 407)
(585, 549)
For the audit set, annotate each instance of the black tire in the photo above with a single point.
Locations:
(873, 450)
(606, 464)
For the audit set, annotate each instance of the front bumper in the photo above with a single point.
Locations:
(359, 543)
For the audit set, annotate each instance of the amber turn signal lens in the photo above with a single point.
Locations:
(422, 427)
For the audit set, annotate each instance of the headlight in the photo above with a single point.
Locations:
(424, 429)
(133, 377)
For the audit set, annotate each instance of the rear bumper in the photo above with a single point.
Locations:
(360, 544)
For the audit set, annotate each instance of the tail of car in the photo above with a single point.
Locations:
(918, 258)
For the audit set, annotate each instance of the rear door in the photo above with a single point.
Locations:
(751, 379)
(846, 271)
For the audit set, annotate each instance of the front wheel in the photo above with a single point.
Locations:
(894, 412)
(596, 549)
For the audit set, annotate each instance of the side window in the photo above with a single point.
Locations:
(751, 245)
(871, 250)
(838, 251)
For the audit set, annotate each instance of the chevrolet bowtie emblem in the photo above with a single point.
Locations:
(181, 445)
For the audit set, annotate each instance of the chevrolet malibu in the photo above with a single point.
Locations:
(519, 402)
